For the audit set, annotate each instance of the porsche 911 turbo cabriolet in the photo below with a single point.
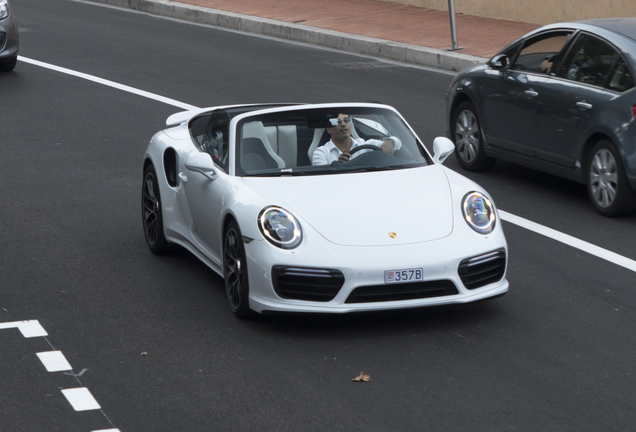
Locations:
(320, 208)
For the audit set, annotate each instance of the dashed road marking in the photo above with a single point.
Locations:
(28, 329)
(54, 361)
(80, 398)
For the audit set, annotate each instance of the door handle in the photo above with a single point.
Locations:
(584, 105)
(531, 93)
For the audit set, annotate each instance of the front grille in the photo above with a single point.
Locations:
(404, 291)
(320, 285)
(482, 270)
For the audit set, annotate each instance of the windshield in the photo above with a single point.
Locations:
(310, 141)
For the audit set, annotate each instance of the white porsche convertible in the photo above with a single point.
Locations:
(324, 208)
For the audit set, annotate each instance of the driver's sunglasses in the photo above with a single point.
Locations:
(344, 120)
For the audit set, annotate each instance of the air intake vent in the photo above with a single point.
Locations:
(406, 291)
(482, 270)
(320, 285)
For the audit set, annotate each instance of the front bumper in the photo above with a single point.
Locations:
(9, 39)
(287, 282)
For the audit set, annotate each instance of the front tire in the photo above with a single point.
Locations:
(235, 272)
(151, 212)
(469, 139)
(8, 65)
(607, 184)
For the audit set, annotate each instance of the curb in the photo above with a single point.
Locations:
(396, 51)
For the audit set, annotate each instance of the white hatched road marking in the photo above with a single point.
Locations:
(80, 398)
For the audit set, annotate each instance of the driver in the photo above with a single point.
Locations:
(339, 147)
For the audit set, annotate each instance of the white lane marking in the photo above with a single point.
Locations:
(54, 361)
(107, 430)
(570, 241)
(517, 220)
(28, 329)
(81, 399)
(108, 83)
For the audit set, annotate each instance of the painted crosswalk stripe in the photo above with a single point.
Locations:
(54, 361)
(81, 399)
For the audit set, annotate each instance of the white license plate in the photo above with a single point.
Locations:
(404, 275)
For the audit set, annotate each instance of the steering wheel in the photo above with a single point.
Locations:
(364, 147)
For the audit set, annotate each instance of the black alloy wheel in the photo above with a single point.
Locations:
(151, 215)
(235, 272)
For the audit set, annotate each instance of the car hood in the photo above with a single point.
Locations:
(367, 209)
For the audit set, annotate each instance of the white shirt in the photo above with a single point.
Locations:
(328, 153)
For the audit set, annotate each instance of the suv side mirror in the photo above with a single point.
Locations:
(499, 62)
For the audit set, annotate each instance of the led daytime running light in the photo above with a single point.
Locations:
(479, 212)
(280, 227)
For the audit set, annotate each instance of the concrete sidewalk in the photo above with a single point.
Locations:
(370, 27)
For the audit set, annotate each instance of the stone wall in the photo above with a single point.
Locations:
(534, 11)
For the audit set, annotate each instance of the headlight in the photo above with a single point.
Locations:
(479, 212)
(4, 9)
(280, 227)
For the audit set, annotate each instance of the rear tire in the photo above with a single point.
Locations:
(607, 183)
(469, 139)
(152, 213)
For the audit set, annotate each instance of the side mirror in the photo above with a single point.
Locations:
(442, 148)
(499, 62)
(202, 163)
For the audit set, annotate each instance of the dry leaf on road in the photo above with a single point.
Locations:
(362, 377)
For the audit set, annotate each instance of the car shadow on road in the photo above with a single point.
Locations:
(384, 322)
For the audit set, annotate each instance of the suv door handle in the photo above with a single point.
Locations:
(531, 93)
(584, 105)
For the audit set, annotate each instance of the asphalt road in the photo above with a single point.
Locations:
(152, 339)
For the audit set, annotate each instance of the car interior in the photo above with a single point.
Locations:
(281, 142)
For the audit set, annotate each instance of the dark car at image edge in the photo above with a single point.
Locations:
(560, 99)
(9, 40)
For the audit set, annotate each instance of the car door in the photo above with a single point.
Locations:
(204, 187)
(205, 181)
(513, 97)
(576, 99)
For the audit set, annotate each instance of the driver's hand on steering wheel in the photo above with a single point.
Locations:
(388, 145)
(344, 157)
